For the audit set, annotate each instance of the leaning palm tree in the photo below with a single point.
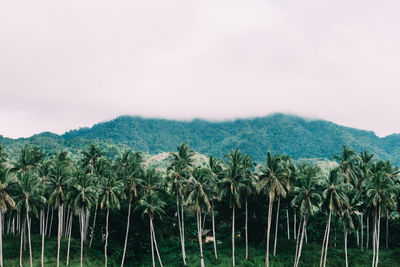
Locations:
(28, 198)
(334, 200)
(129, 167)
(109, 194)
(6, 201)
(273, 181)
(232, 185)
(198, 190)
(308, 200)
(57, 187)
(83, 195)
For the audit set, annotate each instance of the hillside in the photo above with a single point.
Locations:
(279, 133)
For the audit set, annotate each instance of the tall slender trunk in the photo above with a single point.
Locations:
(233, 234)
(301, 240)
(82, 226)
(270, 205)
(126, 235)
(288, 223)
(247, 239)
(199, 234)
(47, 218)
(298, 239)
(362, 234)
(345, 247)
(59, 235)
(213, 229)
(1, 238)
(378, 236)
(276, 224)
(51, 220)
(387, 229)
(155, 243)
(22, 241)
(180, 227)
(105, 244)
(367, 231)
(151, 241)
(374, 238)
(324, 240)
(183, 229)
(327, 238)
(358, 238)
(94, 224)
(69, 235)
(29, 237)
(43, 234)
(294, 224)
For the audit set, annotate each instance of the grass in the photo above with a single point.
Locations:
(171, 254)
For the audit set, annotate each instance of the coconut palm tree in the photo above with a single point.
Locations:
(129, 168)
(198, 190)
(273, 181)
(334, 200)
(232, 185)
(307, 199)
(83, 195)
(109, 194)
(349, 163)
(178, 171)
(6, 201)
(28, 198)
(57, 187)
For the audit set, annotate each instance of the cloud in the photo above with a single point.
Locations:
(69, 64)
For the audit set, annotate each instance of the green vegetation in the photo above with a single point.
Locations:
(197, 211)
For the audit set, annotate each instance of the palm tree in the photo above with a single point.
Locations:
(110, 190)
(307, 199)
(130, 169)
(334, 200)
(83, 195)
(216, 172)
(198, 190)
(29, 157)
(28, 197)
(248, 190)
(232, 185)
(6, 201)
(57, 186)
(178, 170)
(273, 181)
(349, 163)
(90, 161)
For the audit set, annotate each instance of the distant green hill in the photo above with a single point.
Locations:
(279, 133)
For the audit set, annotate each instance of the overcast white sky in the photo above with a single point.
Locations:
(68, 64)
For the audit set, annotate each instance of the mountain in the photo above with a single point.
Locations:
(278, 133)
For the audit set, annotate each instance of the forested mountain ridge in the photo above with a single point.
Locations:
(278, 133)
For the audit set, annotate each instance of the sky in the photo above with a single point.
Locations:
(70, 64)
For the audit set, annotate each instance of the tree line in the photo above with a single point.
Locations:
(36, 189)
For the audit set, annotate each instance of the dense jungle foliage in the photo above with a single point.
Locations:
(90, 209)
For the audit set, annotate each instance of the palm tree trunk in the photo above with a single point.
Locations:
(43, 234)
(270, 205)
(94, 224)
(294, 224)
(327, 238)
(29, 237)
(82, 226)
(247, 239)
(1, 239)
(387, 229)
(183, 229)
(126, 235)
(345, 247)
(358, 238)
(233, 234)
(69, 235)
(276, 224)
(47, 218)
(22, 240)
(362, 234)
(213, 228)
(199, 234)
(366, 245)
(155, 243)
(151, 241)
(298, 239)
(180, 227)
(59, 235)
(288, 223)
(51, 220)
(378, 236)
(105, 244)
(301, 240)
(374, 239)
(324, 240)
